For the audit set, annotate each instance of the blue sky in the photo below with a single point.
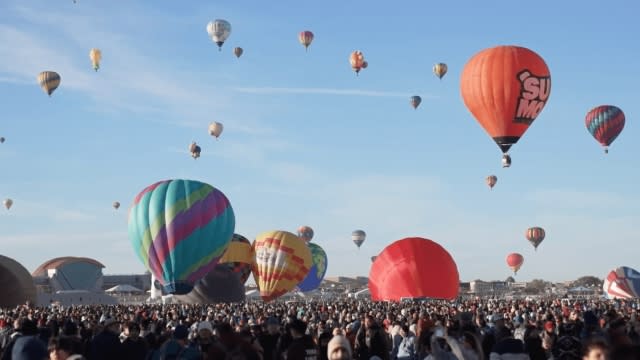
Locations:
(306, 142)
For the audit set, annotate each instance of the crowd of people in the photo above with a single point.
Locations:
(342, 329)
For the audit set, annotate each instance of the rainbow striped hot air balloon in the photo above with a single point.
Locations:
(282, 262)
(179, 229)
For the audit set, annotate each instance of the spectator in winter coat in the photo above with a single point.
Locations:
(339, 348)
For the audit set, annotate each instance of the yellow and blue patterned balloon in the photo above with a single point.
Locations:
(179, 229)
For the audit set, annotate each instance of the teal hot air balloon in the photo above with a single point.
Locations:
(179, 229)
(317, 271)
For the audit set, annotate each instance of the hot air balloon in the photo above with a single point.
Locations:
(219, 31)
(305, 233)
(491, 181)
(281, 262)
(622, 283)
(605, 123)
(1, 140)
(237, 51)
(505, 88)
(220, 285)
(49, 81)
(515, 261)
(535, 235)
(95, 55)
(356, 59)
(318, 269)
(116, 205)
(215, 129)
(305, 38)
(358, 237)
(440, 69)
(7, 203)
(179, 229)
(413, 268)
(195, 150)
(239, 257)
(373, 258)
(415, 101)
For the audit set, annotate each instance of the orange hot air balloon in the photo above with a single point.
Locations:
(505, 88)
(281, 262)
(515, 261)
(491, 181)
(357, 61)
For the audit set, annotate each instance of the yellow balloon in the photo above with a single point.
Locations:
(281, 262)
(95, 55)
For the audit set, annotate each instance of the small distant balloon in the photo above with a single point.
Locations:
(215, 129)
(95, 55)
(7, 203)
(237, 51)
(356, 59)
(219, 31)
(605, 123)
(49, 81)
(358, 237)
(305, 233)
(415, 101)
(515, 261)
(1, 140)
(195, 150)
(116, 205)
(491, 181)
(440, 69)
(305, 38)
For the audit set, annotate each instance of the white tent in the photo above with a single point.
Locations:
(124, 288)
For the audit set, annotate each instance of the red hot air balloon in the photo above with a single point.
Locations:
(535, 235)
(413, 268)
(515, 261)
(605, 123)
(505, 88)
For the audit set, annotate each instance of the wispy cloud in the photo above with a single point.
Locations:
(132, 78)
(323, 91)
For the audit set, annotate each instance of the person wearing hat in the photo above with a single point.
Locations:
(302, 345)
(106, 345)
(339, 348)
(204, 338)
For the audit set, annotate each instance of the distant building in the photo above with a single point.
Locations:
(140, 281)
(480, 288)
(69, 273)
(70, 281)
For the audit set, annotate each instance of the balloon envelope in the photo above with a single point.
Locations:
(515, 261)
(505, 88)
(605, 123)
(413, 268)
(220, 285)
(317, 271)
(622, 283)
(305, 233)
(282, 262)
(179, 229)
(239, 257)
